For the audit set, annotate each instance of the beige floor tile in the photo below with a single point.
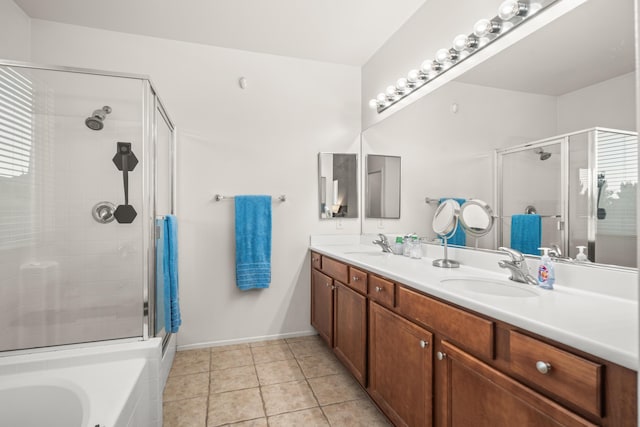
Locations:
(233, 379)
(309, 418)
(259, 422)
(320, 365)
(279, 372)
(190, 362)
(229, 347)
(231, 359)
(336, 388)
(185, 413)
(354, 414)
(271, 353)
(185, 386)
(268, 342)
(287, 397)
(311, 347)
(302, 338)
(234, 406)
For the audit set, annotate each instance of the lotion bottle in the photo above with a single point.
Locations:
(546, 272)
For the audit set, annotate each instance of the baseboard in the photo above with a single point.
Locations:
(245, 340)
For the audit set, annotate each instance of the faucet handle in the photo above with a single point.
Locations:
(383, 238)
(516, 256)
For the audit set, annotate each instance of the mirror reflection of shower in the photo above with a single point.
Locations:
(96, 121)
(544, 155)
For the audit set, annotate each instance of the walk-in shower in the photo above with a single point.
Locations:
(77, 214)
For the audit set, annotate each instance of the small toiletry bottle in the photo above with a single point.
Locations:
(399, 246)
(582, 257)
(416, 248)
(406, 251)
(546, 272)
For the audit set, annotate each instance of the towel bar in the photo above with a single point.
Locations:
(220, 197)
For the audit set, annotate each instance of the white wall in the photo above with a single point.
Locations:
(611, 104)
(15, 32)
(262, 140)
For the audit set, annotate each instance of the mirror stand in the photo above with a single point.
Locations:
(445, 224)
(446, 262)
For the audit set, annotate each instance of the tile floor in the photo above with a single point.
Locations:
(288, 382)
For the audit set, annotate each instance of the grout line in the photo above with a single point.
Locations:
(264, 406)
(206, 416)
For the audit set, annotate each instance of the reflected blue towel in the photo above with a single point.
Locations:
(526, 233)
(253, 242)
(161, 289)
(172, 318)
(459, 237)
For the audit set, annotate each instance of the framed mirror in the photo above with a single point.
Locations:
(382, 196)
(338, 185)
(529, 92)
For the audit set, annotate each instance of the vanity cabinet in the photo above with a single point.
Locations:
(400, 358)
(426, 361)
(475, 394)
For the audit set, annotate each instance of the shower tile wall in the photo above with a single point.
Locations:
(71, 279)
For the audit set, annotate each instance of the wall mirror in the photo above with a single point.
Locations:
(338, 185)
(559, 80)
(382, 194)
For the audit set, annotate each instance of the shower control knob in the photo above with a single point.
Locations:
(103, 212)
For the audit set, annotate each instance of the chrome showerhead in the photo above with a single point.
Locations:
(544, 155)
(96, 121)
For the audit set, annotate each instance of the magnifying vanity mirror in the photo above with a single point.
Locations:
(338, 185)
(383, 187)
(476, 218)
(445, 224)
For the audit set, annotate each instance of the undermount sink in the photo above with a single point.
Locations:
(491, 287)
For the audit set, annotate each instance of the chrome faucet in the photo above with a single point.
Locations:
(383, 242)
(556, 252)
(517, 265)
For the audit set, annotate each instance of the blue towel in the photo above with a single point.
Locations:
(459, 237)
(172, 319)
(161, 286)
(253, 242)
(526, 233)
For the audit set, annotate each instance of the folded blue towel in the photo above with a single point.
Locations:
(172, 316)
(253, 242)
(526, 233)
(459, 237)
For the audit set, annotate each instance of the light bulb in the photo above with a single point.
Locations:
(381, 98)
(413, 76)
(401, 84)
(390, 92)
(460, 42)
(373, 104)
(511, 8)
(485, 26)
(442, 55)
(426, 66)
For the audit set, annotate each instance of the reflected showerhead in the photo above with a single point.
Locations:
(543, 154)
(96, 121)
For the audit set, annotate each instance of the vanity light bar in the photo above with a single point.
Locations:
(511, 13)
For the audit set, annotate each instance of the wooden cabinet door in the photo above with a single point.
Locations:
(322, 305)
(400, 358)
(350, 330)
(475, 394)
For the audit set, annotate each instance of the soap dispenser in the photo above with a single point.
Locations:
(581, 257)
(546, 272)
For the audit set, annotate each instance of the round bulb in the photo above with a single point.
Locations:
(401, 84)
(390, 92)
(373, 104)
(426, 66)
(442, 55)
(460, 42)
(482, 28)
(510, 8)
(381, 98)
(413, 76)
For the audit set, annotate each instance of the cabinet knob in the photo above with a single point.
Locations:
(378, 289)
(440, 355)
(327, 284)
(423, 343)
(333, 287)
(543, 367)
(355, 278)
(314, 259)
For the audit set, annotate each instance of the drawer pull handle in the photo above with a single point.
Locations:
(423, 343)
(441, 356)
(543, 367)
(378, 289)
(355, 278)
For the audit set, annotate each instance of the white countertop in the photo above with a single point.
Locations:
(603, 325)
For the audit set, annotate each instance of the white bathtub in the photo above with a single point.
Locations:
(111, 385)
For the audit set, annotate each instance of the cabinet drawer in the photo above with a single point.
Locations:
(468, 330)
(358, 280)
(382, 290)
(316, 261)
(568, 376)
(335, 269)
